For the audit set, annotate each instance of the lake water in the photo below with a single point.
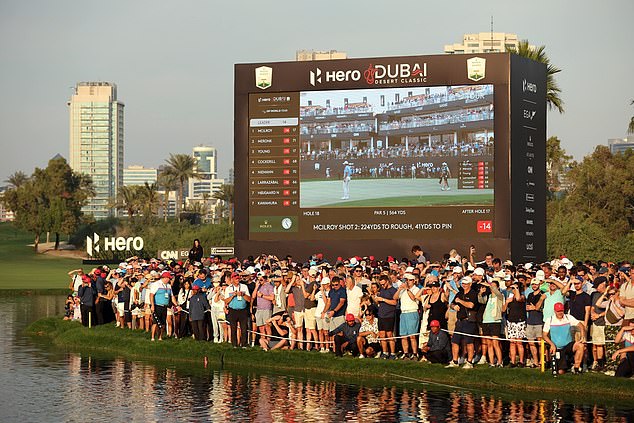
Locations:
(41, 384)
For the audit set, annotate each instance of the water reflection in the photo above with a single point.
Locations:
(52, 386)
(137, 391)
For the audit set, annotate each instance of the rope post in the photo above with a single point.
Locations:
(90, 320)
(542, 353)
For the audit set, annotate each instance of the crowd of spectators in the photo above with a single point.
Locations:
(305, 111)
(475, 92)
(443, 118)
(336, 127)
(445, 149)
(456, 311)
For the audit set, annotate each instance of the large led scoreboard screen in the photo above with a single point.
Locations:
(378, 154)
(371, 163)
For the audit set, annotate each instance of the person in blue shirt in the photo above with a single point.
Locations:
(559, 332)
(202, 281)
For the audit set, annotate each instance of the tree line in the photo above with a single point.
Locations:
(51, 199)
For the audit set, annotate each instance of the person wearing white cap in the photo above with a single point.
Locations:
(465, 305)
(445, 174)
(347, 175)
(322, 325)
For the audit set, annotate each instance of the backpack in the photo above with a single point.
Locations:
(614, 313)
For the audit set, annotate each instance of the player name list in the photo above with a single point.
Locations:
(273, 159)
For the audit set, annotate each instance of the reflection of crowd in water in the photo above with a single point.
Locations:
(447, 149)
(444, 118)
(143, 392)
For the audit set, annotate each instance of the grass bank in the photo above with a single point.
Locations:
(23, 270)
(527, 383)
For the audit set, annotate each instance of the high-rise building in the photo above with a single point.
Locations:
(206, 183)
(139, 175)
(484, 42)
(620, 145)
(96, 142)
(308, 55)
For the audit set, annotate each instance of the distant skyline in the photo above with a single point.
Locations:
(173, 63)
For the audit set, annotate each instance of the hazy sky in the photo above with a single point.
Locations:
(173, 62)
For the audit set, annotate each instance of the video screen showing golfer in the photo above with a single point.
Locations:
(404, 147)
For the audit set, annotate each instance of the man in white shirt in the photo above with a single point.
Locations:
(354, 294)
(410, 319)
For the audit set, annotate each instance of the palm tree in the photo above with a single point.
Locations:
(630, 128)
(128, 199)
(149, 198)
(17, 179)
(182, 167)
(168, 182)
(226, 195)
(538, 54)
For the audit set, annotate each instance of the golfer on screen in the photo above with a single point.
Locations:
(347, 175)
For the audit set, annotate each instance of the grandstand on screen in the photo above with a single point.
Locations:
(404, 134)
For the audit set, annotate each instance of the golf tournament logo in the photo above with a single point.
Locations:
(263, 77)
(113, 244)
(476, 68)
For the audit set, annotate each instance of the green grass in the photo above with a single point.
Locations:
(24, 270)
(529, 383)
(397, 192)
(415, 201)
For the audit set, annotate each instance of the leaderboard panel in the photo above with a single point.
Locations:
(273, 163)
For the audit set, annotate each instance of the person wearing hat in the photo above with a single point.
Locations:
(367, 341)
(347, 176)
(555, 294)
(445, 174)
(345, 336)
(264, 297)
(198, 306)
(559, 332)
(86, 294)
(320, 312)
(409, 322)
(437, 348)
(465, 306)
(493, 301)
(161, 297)
(451, 288)
(237, 299)
(387, 315)
(75, 280)
(534, 319)
(599, 300)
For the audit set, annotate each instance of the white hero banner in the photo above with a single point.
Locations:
(374, 74)
(96, 244)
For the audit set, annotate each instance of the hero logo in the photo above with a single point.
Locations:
(529, 86)
(334, 76)
(113, 244)
(375, 73)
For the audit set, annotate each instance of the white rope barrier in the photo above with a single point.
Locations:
(515, 340)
